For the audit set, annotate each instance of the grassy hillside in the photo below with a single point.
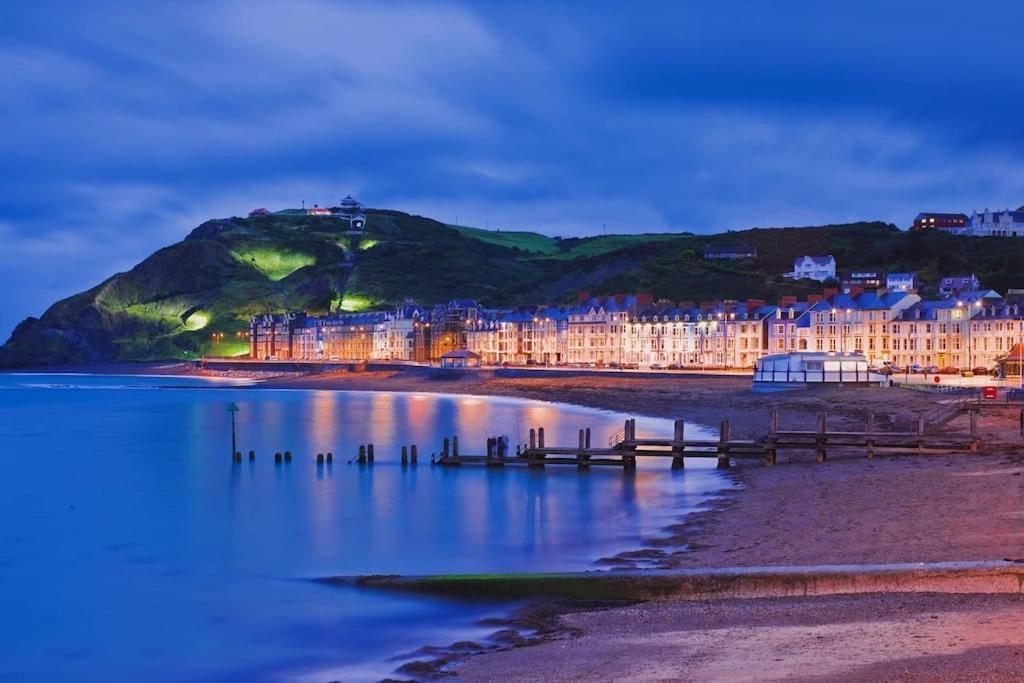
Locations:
(195, 297)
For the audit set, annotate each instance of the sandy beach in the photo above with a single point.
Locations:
(849, 510)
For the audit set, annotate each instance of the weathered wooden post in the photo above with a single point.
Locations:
(723, 446)
(540, 437)
(533, 438)
(277, 457)
(405, 455)
(252, 455)
(822, 454)
(234, 449)
(319, 458)
(581, 453)
(678, 437)
(330, 457)
(444, 448)
(362, 454)
(369, 452)
(587, 440)
(287, 456)
(870, 438)
(773, 438)
(455, 446)
(413, 454)
(237, 457)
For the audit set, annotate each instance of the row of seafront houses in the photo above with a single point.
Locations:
(976, 328)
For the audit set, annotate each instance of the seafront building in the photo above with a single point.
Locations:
(974, 329)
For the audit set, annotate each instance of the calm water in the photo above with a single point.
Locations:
(131, 548)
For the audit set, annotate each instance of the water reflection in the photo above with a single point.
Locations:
(211, 552)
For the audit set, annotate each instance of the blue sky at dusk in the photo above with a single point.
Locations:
(124, 125)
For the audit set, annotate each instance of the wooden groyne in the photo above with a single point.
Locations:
(625, 446)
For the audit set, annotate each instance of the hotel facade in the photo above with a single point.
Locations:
(972, 330)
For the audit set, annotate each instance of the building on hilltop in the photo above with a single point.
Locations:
(735, 252)
(950, 222)
(318, 210)
(996, 224)
(862, 279)
(818, 268)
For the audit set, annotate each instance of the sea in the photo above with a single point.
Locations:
(132, 546)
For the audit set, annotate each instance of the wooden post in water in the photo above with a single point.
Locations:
(581, 454)
(444, 447)
(405, 455)
(678, 436)
(237, 456)
(587, 439)
(362, 454)
(277, 457)
(822, 454)
(773, 439)
(252, 455)
(533, 438)
(330, 457)
(319, 458)
(870, 435)
(723, 445)
(369, 452)
(455, 446)
(540, 437)
(413, 454)
(287, 456)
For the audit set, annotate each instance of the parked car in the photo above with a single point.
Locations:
(948, 370)
(895, 368)
(657, 366)
(931, 369)
(982, 371)
(915, 368)
(675, 366)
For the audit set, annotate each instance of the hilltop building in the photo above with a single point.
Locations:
(996, 224)
(734, 252)
(950, 222)
(818, 268)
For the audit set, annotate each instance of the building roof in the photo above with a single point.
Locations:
(816, 260)
(460, 353)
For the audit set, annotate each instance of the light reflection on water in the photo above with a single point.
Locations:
(133, 548)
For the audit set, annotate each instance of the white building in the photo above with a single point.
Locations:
(818, 268)
(996, 224)
(901, 282)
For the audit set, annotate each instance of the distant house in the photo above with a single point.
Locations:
(955, 284)
(818, 268)
(318, 211)
(734, 252)
(861, 280)
(950, 222)
(259, 212)
(901, 282)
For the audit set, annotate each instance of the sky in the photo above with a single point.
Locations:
(123, 125)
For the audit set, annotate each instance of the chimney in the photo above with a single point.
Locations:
(829, 291)
(644, 299)
(814, 298)
(787, 301)
(754, 303)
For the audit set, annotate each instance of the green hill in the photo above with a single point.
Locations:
(195, 297)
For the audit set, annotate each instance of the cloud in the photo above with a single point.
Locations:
(125, 125)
